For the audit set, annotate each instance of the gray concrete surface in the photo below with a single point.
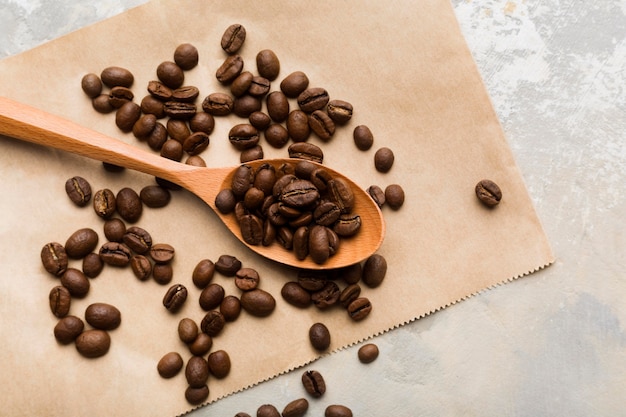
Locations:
(552, 344)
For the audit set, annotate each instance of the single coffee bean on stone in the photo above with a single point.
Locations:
(296, 408)
(76, 282)
(170, 365)
(81, 242)
(162, 273)
(294, 84)
(67, 329)
(267, 64)
(339, 111)
(258, 302)
(359, 309)
(54, 258)
(175, 298)
(92, 265)
(203, 273)
(267, 410)
(211, 296)
(197, 395)
(319, 336)
(103, 316)
(201, 345)
(383, 159)
(233, 38)
(170, 74)
(115, 254)
(374, 270)
(187, 330)
(91, 85)
(394, 196)
(197, 371)
(336, 410)
(363, 137)
(219, 364)
(228, 265)
(230, 307)
(368, 353)
(155, 196)
(162, 253)
(141, 266)
(60, 301)
(93, 343)
(314, 383)
(488, 192)
(186, 56)
(104, 203)
(78, 190)
(212, 323)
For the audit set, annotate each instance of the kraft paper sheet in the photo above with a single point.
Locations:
(407, 71)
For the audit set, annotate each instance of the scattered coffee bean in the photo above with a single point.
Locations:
(267, 64)
(228, 265)
(488, 192)
(394, 196)
(313, 98)
(368, 353)
(337, 410)
(259, 120)
(339, 111)
(162, 273)
(327, 296)
(296, 408)
(374, 270)
(306, 151)
(258, 302)
(187, 330)
(363, 137)
(197, 371)
(103, 316)
(155, 196)
(175, 298)
(54, 258)
(170, 74)
(115, 254)
(212, 323)
(359, 309)
(127, 115)
(102, 105)
(247, 279)
(294, 84)
(60, 301)
(203, 273)
(104, 203)
(230, 307)
(201, 345)
(233, 38)
(298, 126)
(314, 383)
(76, 282)
(141, 266)
(197, 395)
(377, 194)
(211, 296)
(91, 85)
(117, 76)
(383, 159)
(186, 56)
(67, 329)
(78, 190)
(230, 69)
(294, 294)
(349, 294)
(319, 336)
(114, 230)
(162, 253)
(219, 364)
(92, 265)
(93, 343)
(170, 365)
(81, 242)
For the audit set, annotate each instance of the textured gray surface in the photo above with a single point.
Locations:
(551, 344)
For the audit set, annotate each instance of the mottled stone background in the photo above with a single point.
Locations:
(552, 344)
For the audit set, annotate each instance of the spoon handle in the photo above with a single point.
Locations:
(27, 123)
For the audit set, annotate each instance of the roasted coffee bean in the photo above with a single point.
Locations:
(350, 274)
(81, 242)
(127, 115)
(359, 308)
(162, 253)
(60, 301)
(202, 122)
(211, 296)
(197, 371)
(326, 213)
(212, 323)
(341, 194)
(114, 229)
(377, 194)
(159, 90)
(311, 280)
(265, 178)
(152, 105)
(93, 343)
(247, 279)
(277, 106)
(155, 196)
(233, 38)
(91, 85)
(259, 120)
(196, 143)
(394, 196)
(78, 190)
(172, 149)
(267, 410)
(299, 194)
(201, 345)
(337, 410)
(109, 167)
(294, 84)
(276, 135)
(119, 96)
(296, 408)
(320, 178)
(115, 254)
(243, 136)
(339, 111)
(186, 94)
(314, 98)
(322, 125)
(230, 69)
(319, 246)
(175, 297)
(230, 307)
(76, 282)
(67, 329)
(383, 159)
(327, 297)
(368, 353)
(301, 242)
(128, 204)
(280, 184)
(186, 56)
(219, 364)
(162, 273)
(314, 383)
(170, 365)
(179, 110)
(298, 126)
(488, 192)
(227, 265)
(225, 201)
(284, 236)
(245, 105)
(251, 154)
(258, 302)
(203, 273)
(197, 395)
(141, 266)
(178, 129)
(92, 265)
(158, 137)
(144, 126)
(103, 316)
(170, 74)
(187, 330)
(319, 336)
(349, 294)
(101, 104)
(374, 270)
(267, 64)
(347, 225)
(196, 161)
(363, 137)
(116, 76)
(104, 203)
(259, 86)
(218, 104)
(241, 84)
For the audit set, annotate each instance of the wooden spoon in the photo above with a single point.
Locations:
(23, 122)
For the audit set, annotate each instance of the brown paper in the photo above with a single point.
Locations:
(407, 71)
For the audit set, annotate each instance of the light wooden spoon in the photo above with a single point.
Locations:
(27, 123)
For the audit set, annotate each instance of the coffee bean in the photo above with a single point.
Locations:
(241, 84)
(76, 282)
(175, 298)
(141, 266)
(218, 104)
(203, 273)
(159, 90)
(211, 296)
(359, 308)
(267, 64)
(230, 69)
(81, 242)
(258, 302)
(116, 76)
(187, 330)
(314, 383)
(144, 126)
(153, 106)
(186, 94)
(196, 161)
(340, 193)
(170, 365)
(383, 159)
(162, 253)
(233, 38)
(172, 149)
(301, 242)
(319, 336)
(197, 395)
(377, 194)
(67, 329)
(363, 137)
(137, 239)
(118, 97)
(230, 307)
(374, 270)
(178, 129)
(319, 246)
(179, 110)
(337, 410)
(219, 364)
(78, 190)
(394, 196)
(170, 74)
(114, 229)
(245, 105)
(347, 225)
(349, 294)
(101, 104)
(296, 408)
(104, 203)
(158, 137)
(242, 415)
(109, 167)
(103, 316)
(162, 273)
(197, 371)
(322, 125)
(227, 265)
(277, 106)
(326, 297)
(259, 120)
(368, 353)
(243, 136)
(60, 301)
(127, 115)
(93, 343)
(92, 265)
(311, 280)
(155, 196)
(128, 204)
(91, 85)
(251, 154)
(259, 86)
(247, 279)
(488, 192)
(212, 323)
(267, 410)
(339, 111)
(294, 84)
(294, 294)
(201, 345)
(276, 135)
(314, 98)
(115, 254)
(196, 143)
(186, 56)
(299, 194)
(202, 122)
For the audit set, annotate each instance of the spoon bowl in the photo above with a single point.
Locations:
(27, 123)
